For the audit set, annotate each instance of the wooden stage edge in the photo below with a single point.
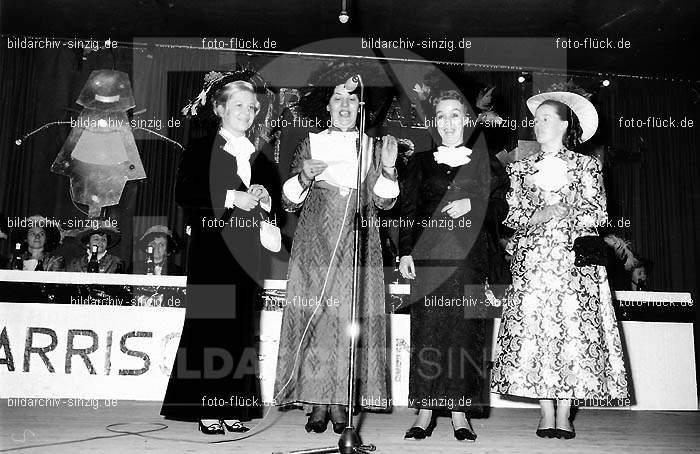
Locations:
(134, 426)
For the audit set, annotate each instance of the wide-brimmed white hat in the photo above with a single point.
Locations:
(583, 108)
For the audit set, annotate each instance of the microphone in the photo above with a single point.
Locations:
(352, 83)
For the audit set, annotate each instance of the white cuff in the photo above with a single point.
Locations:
(386, 188)
(230, 197)
(294, 191)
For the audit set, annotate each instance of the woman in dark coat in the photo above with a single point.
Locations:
(443, 249)
(104, 237)
(221, 186)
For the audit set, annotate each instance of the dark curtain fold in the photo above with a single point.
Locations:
(163, 96)
(18, 109)
(651, 172)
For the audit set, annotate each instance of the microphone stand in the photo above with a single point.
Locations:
(350, 442)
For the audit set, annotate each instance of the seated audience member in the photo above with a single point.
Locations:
(4, 262)
(639, 276)
(104, 237)
(164, 243)
(38, 239)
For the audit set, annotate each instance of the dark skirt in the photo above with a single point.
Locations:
(448, 335)
(215, 371)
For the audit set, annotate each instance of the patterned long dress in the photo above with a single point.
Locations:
(316, 372)
(558, 337)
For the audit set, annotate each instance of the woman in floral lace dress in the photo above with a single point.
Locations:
(558, 339)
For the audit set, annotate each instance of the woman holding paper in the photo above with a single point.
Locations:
(558, 338)
(443, 249)
(313, 357)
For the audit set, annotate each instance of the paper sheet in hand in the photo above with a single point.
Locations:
(339, 151)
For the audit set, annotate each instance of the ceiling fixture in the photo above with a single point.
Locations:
(524, 77)
(344, 17)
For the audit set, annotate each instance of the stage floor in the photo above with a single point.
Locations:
(131, 427)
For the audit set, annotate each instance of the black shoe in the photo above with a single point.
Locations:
(418, 433)
(314, 424)
(464, 433)
(546, 433)
(566, 434)
(340, 422)
(235, 427)
(211, 429)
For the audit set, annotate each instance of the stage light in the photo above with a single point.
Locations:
(353, 330)
(344, 17)
(524, 77)
(605, 83)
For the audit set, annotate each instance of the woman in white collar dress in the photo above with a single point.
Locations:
(559, 339)
(313, 356)
(443, 249)
(221, 186)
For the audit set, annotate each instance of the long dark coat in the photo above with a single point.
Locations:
(214, 375)
(448, 303)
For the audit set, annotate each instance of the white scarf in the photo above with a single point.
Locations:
(241, 148)
(452, 156)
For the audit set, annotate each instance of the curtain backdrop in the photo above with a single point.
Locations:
(651, 173)
(653, 176)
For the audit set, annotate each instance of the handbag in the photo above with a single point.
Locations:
(590, 250)
(270, 235)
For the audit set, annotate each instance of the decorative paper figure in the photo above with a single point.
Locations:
(100, 154)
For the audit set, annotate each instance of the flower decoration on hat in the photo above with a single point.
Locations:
(422, 91)
(435, 82)
(215, 80)
(571, 87)
(211, 78)
(379, 90)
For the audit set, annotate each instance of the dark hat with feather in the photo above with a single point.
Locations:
(203, 107)
(379, 90)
